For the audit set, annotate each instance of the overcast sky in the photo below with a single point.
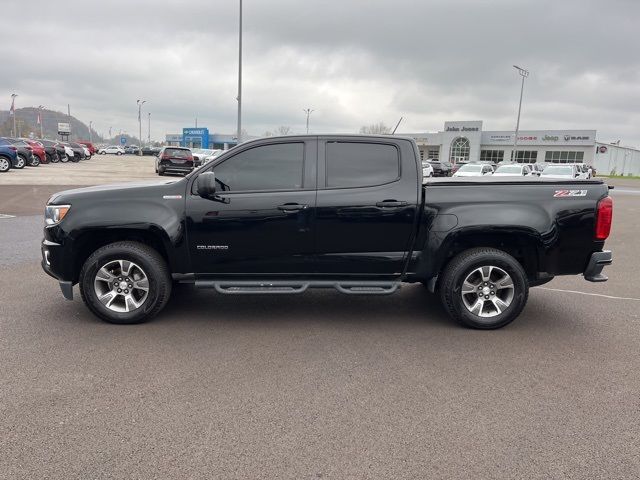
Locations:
(354, 62)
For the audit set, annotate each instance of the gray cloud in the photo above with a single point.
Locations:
(354, 62)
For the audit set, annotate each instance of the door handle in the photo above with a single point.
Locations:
(390, 203)
(292, 207)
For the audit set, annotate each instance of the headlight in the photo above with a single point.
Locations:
(55, 213)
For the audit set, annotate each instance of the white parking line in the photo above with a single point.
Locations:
(590, 294)
(4, 215)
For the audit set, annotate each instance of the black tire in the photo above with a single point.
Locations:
(159, 281)
(5, 164)
(161, 171)
(463, 265)
(118, 153)
(35, 161)
(102, 153)
(75, 158)
(22, 162)
(64, 158)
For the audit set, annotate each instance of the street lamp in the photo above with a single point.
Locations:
(308, 112)
(40, 107)
(524, 74)
(90, 133)
(140, 103)
(239, 97)
(13, 112)
(149, 127)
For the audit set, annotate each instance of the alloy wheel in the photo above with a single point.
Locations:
(121, 286)
(487, 291)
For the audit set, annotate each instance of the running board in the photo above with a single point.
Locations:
(278, 287)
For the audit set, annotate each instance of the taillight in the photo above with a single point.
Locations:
(604, 216)
(190, 158)
(15, 149)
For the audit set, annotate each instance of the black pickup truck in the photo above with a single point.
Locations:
(280, 215)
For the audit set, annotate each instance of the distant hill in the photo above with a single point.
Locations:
(27, 123)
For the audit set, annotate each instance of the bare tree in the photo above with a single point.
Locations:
(283, 130)
(375, 129)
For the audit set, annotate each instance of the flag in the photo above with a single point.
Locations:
(12, 110)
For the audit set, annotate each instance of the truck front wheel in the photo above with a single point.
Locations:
(125, 282)
(484, 288)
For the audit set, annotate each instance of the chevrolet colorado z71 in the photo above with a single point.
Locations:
(280, 215)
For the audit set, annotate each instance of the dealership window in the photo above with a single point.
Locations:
(564, 157)
(351, 164)
(525, 156)
(495, 156)
(460, 149)
(433, 153)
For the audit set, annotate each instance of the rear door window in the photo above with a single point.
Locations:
(359, 164)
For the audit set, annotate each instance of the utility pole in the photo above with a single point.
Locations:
(524, 74)
(140, 103)
(40, 107)
(13, 111)
(239, 98)
(90, 133)
(110, 133)
(69, 116)
(149, 129)
(308, 112)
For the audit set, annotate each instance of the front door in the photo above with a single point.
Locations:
(261, 220)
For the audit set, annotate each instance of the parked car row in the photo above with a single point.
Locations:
(512, 169)
(182, 159)
(21, 152)
(128, 149)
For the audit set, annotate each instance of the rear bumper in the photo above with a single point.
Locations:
(597, 262)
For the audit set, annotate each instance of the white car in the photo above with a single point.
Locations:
(427, 169)
(513, 170)
(204, 155)
(68, 154)
(567, 172)
(473, 170)
(87, 153)
(114, 149)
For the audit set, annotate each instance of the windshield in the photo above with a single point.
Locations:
(553, 170)
(470, 168)
(509, 169)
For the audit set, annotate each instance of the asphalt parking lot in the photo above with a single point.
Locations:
(313, 386)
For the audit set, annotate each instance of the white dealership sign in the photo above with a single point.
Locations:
(64, 128)
(541, 137)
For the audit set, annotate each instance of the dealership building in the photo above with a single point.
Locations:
(201, 138)
(461, 142)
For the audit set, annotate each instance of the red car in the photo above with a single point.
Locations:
(37, 149)
(89, 145)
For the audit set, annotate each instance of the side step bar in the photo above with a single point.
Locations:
(277, 287)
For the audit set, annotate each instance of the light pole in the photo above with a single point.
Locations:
(90, 133)
(239, 98)
(149, 129)
(40, 107)
(13, 112)
(308, 112)
(110, 133)
(524, 74)
(140, 103)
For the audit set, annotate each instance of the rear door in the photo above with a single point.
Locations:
(367, 205)
(262, 218)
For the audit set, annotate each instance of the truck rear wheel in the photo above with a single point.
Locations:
(125, 283)
(484, 288)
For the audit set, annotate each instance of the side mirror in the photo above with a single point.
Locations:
(206, 184)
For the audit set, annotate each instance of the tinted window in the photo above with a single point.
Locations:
(176, 152)
(268, 167)
(361, 164)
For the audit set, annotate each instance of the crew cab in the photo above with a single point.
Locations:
(284, 214)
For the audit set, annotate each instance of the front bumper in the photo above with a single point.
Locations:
(52, 263)
(597, 262)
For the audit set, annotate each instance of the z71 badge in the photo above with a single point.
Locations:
(570, 193)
